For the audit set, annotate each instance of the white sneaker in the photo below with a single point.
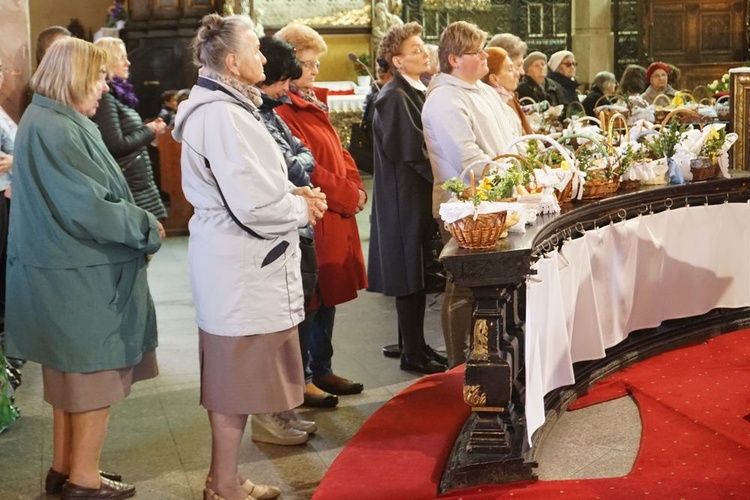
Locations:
(270, 428)
(296, 422)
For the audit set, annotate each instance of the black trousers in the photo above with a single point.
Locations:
(410, 310)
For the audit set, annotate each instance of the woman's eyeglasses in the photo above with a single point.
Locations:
(569, 64)
(310, 64)
(479, 52)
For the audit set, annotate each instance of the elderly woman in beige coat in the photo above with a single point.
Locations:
(243, 251)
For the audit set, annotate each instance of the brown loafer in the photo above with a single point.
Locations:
(108, 490)
(54, 482)
(337, 385)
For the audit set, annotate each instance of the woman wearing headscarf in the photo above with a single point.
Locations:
(657, 76)
(535, 84)
(77, 254)
(562, 65)
(243, 251)
(124, 132)
(341, 265)
(503, 76)
(402, 222)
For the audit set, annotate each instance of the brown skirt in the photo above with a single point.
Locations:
(251, 374)
(79, 392)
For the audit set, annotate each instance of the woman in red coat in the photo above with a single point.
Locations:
(340, 262)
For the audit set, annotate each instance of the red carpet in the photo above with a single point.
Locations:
(694, 403)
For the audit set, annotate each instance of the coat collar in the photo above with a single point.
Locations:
(63, 109)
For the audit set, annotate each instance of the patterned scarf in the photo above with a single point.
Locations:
(249, 91)
(309, 96)
(123, 91)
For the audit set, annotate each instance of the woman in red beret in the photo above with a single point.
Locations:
(657, 75)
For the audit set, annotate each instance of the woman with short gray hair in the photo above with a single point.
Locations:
(604, 83)
(243, 251)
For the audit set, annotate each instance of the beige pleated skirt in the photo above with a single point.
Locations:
(251, 374)
(79, 392)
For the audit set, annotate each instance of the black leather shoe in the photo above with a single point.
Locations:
(54, 482)
(426, 366)
(337, 385)
(324, 400)
(392, 351)
(108, 490)
(436, 356)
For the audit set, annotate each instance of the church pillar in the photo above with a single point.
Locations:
(593, 40)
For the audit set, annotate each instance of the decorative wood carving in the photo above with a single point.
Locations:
(695, 36)
(739, 113)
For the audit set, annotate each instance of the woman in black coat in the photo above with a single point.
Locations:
(123, 130)
(402, 220)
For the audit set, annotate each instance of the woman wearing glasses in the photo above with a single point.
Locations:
(562, 65)
(402, 220)
(465, 126)
(340, 262)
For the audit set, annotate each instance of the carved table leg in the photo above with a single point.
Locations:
(489, 449)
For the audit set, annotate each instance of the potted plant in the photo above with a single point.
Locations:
(362, 70)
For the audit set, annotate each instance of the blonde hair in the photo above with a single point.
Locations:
(303, 38)
(219, 36)
(496, 57)
(457, 39)
(393, 40)
(115, 49)
(69, 71)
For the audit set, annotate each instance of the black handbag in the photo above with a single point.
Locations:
(309, 268)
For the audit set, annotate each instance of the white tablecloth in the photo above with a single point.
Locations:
(348, 102)
(628, 276)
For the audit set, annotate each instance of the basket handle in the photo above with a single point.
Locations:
(577, 181)
(528, 99)
(607, 96)
(685, 95)
(587, 119)
(572, 104)
(722, 99)
(598, 145)
(664, 96)
(610, 128)
(682, 111)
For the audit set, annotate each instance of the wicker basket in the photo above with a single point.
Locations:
(630, 184)
(702, 169)
(599, 188)
(480, 233)
(566, 195)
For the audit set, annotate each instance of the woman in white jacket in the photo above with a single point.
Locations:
(465, 125)
(244, 249)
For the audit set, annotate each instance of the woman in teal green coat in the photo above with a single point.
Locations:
(78, 300)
